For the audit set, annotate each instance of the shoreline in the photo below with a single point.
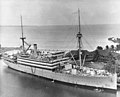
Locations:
(4, 49)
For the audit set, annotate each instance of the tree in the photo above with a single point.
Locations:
(112, 47)
(99, 48)
(117, 47)
(110, 66)
(107, 47)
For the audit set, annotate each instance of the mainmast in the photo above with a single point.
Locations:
(22, 38)
(79, 35)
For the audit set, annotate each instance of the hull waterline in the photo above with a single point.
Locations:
(92, 81)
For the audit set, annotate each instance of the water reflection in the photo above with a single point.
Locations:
(17, 84)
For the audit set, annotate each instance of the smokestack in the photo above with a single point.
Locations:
(35, 49)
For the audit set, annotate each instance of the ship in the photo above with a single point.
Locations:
(56, 66)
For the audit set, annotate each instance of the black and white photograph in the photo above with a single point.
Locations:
(59, 48)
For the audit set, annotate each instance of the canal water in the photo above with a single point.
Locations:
(17, 84)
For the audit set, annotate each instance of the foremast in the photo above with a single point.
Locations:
(22, 38)
(79, 36)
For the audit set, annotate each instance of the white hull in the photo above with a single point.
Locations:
(108, 82)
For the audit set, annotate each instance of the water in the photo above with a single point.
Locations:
(17, 84)
(60, 37)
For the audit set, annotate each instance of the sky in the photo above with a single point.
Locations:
(59, 12)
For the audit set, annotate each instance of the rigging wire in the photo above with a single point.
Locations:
(70, 34)
(88, 30)
(88, 43)
(73, 58)
(71, 42)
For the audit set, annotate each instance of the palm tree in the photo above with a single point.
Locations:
(107, 47)
(112, 48)
(99, 48)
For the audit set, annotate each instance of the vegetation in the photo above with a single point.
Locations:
(107, 47)
(110, 66)
(99, 48)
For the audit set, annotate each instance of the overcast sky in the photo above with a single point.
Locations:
(59, 12)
